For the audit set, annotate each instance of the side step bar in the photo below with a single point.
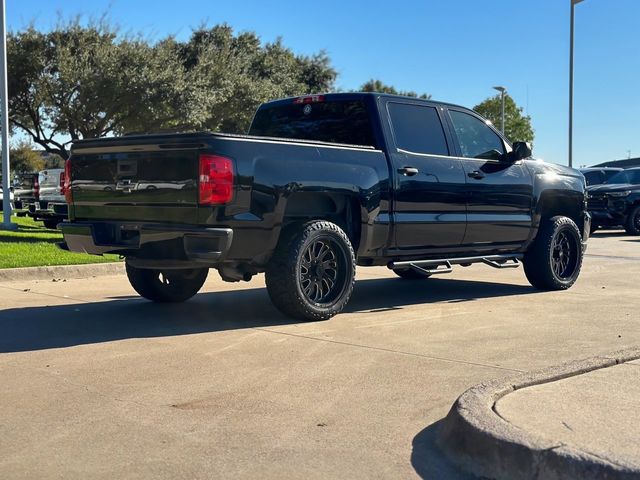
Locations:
(442, 265)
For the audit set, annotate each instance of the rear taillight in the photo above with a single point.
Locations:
(215, 183)
(66, 184)
(36, 189)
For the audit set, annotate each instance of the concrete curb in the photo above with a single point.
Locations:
(60, 271)
(475, 437)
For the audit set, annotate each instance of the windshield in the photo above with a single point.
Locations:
(627, 176)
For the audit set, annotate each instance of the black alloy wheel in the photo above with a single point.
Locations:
(312, 272)
(564, 254)
(554, 260)
(633, 222)
(322, 271)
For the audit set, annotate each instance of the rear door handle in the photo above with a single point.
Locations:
(477, 174)
(408, 171)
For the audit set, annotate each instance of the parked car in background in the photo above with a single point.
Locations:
(11, 198)
(616, 202)
(26, 191)
(51, 207)
(599, 175)
(320, 184)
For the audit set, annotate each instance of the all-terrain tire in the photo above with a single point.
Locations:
(312, 272)
(166, 286)
(632, 225)
(410, 274)
(554, 260)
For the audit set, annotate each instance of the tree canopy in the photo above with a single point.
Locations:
(375, 85)
(80, 81)
(24, 159)
(517, 127)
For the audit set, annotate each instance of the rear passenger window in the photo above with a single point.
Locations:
(417, 129)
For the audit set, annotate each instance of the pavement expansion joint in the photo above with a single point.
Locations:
(389, 350)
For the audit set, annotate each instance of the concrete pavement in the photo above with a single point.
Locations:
(96, 382)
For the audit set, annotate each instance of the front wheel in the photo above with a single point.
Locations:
(633, 222)
(166, 286)
(312, 272)
(555, 258)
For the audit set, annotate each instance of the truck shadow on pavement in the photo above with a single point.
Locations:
(43, 327)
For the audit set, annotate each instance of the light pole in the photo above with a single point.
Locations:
(502, 91)
(573, 4)
(4, 126)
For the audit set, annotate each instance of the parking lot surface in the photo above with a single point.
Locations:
(98, 383)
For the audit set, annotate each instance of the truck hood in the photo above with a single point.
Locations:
(613, 187)
(542, 167)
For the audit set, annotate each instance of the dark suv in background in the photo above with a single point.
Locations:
(617, 202)
(599, 175)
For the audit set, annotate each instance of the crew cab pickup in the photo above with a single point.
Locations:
(320, 184)
(51, 207)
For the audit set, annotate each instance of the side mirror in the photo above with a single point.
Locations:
(520, 150)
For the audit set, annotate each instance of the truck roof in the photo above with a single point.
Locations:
(356, 95)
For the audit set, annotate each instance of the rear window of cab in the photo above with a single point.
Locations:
(345, 121)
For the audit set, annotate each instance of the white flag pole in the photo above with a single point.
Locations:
(4, 126)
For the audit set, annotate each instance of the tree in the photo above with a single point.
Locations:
(80, 81)
(375, 85)
(24, 159)
(77, 82)
(517, 127)
(233, 74)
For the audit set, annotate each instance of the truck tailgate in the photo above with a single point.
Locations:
(145, 178)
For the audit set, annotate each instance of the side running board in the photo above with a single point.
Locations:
(442, 265)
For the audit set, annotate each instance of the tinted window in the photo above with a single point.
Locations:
(476, 139)
(417, 129)
(335, 122)
(628, 176)
(610, 173)
(593, 178)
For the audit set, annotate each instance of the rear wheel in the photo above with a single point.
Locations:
(164, 286)
(410, 274)
(633, 222)
(312, 272)
(555, 258)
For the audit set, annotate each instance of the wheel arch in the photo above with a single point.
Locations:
(342, 209)
(554, 203)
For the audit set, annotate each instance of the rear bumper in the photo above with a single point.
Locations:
(153, 241)
(43, 209)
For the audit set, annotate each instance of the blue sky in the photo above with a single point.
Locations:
(455, 50)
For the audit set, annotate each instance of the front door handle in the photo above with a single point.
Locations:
(408, 171)
(477, 174)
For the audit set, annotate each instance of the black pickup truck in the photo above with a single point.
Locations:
(323, 183)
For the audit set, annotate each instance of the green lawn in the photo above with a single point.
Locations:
(35, 246)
